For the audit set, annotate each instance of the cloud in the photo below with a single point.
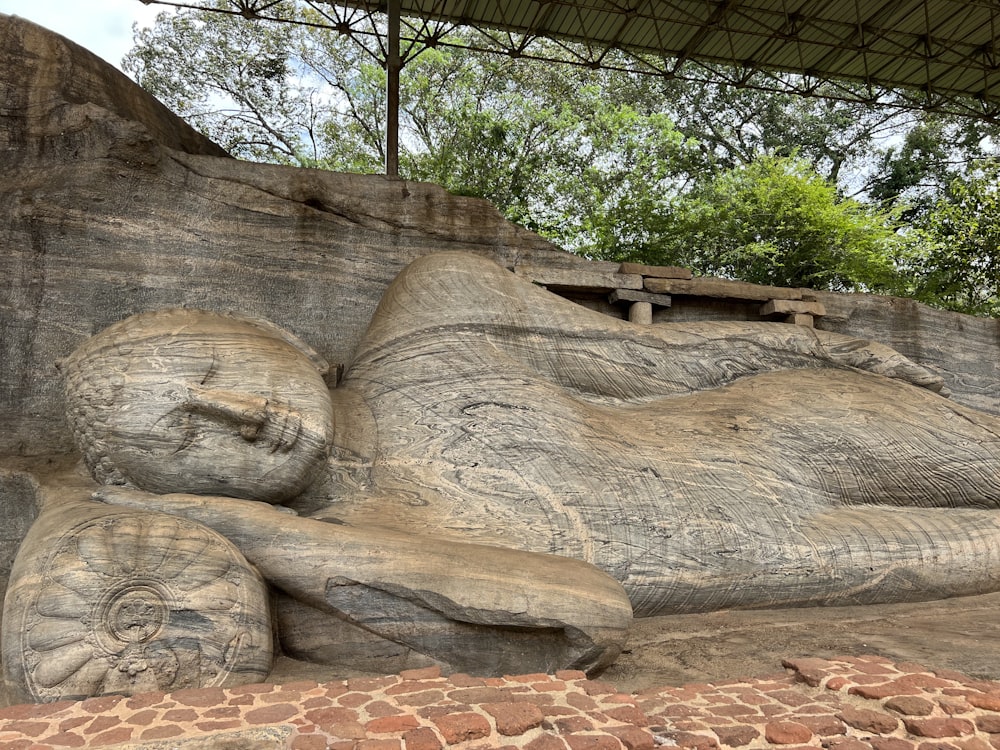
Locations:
(102, 26)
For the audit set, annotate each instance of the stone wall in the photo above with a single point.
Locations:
(112, 205)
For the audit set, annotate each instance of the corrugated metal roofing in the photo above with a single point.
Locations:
(943, 49)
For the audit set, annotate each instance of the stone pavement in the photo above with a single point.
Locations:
(863, 703)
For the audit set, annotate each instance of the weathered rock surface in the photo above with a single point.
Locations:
(109, 600)
(112, 205)
(703, 465)
(421, 599)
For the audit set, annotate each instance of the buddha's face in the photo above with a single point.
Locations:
(215, 405)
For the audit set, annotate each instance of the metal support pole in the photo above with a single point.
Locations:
(393, 64)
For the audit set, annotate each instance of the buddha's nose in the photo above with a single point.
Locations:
(248, 411)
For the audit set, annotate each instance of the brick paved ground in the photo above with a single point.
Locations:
(864, 703)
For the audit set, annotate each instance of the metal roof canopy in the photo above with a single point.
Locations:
(933, 54)
(941, 49)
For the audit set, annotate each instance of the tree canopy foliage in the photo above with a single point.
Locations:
(765, 187)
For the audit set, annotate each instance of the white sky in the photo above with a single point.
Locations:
(102, 26)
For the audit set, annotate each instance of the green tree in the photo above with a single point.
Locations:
(733, 181)
(775, 221)
(956, 260)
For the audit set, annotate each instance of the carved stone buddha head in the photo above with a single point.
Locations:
(193, 401)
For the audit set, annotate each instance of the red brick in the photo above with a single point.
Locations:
(200, 697)
(460, 679)
(736, 736)
(985, 701)
(101, 724)
(426, 698)
(937, 728)
(693, 741)
(316, 702)
(632, 738)
(378, 709)
(734, 710)
(973, 743)
(846, 743)
(73, 722)
(111, 737)
(627, 715)
(179, 714)
(34, 710)
(836, 683)
(546, 742)
(866, 720)
(922, 681)
(481, 695)
(806, 663)
(378, 745)
(218, 725)
(570, 675)
(413, 686)
(370, 684)
(787, 733)
(570, 724)
(581, 702)
(325, 717)
(592, 742)
(422, 738)
(255, 689)
(953, 705)
(273, 714)
(101, 704)
(309, 742)
(392, 724)
(910, 705)
(354, 700)
(553, 686)
(514, 718)
(223, 712)
(883, 690)
(28, 728)
(66, 739)
(822, 725)
(161, 732)
(141, 718)
(557, 711)
(811, 677)
(790, 697)
(462, 727)
(349, 730)
(890, 743)
(593, 687)
(988, 723)
(527, 678)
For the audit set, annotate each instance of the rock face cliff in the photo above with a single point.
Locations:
(110, 204)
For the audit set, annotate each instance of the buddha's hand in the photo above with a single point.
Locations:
(178, 504)
(877, 358)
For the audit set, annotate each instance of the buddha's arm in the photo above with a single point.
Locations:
(338, 568)
(464, 304)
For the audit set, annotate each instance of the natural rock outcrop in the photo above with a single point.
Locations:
(701, 464)
(110, 205)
